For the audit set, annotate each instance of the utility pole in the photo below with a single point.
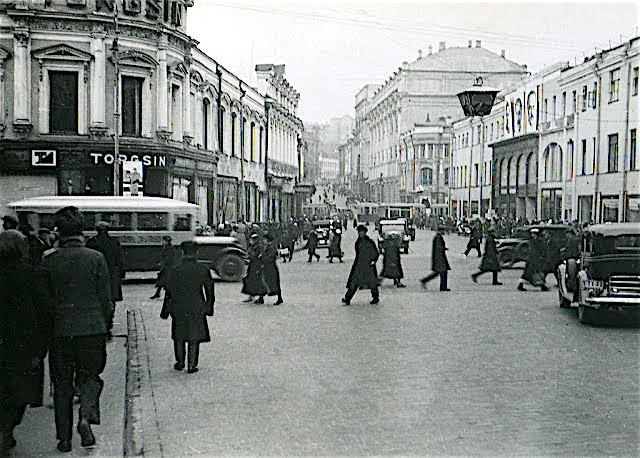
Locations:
(243, 212)
(116, 110)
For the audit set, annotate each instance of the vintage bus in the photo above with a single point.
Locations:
(401, 210)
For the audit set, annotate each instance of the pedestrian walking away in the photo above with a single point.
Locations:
(169, 257)
(112, 251)
(363, 273)
(25, 328)
(270, 271)
(439, 262)
(335, 242)
(79, 282)
(188, 301)
(491, 259)
(476, 239)
(534, 264)
(253, 281)
(312, 244)
(391, 264)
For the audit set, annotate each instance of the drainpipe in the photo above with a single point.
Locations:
(471, 169)
(622, 212)
(267, 106)
(243, 210)
(481, 165)
(596, 207)
(220, 139)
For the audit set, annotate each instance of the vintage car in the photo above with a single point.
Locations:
(388, 226)
(323, 228)
(515, 248)
(607, 275)
(224, 255)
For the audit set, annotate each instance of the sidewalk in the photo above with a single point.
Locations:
(36, 435)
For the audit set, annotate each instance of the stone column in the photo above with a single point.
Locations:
(21, 78)
(186, 103)
(162, 90)
(98, 77)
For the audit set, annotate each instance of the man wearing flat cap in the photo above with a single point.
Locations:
(363, 272)
(112, 251)
(189, 300)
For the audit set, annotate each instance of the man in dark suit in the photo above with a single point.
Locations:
(189, 300)
(439, 262)
(79, 283)
(112, 252)
(363, 273)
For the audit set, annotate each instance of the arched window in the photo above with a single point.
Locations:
(233, 133)
(260, 145)
(522, 172)
(502, 174)
(552, 160)
(532, 175)
(251, 139)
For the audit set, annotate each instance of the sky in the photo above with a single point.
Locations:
(331, 49)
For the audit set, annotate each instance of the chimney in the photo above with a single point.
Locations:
(442, 46)
(502, 53)
(430, 49)
(478, 43)
(471, 43)
(419, 53)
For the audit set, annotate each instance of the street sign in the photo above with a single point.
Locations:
(44, 158)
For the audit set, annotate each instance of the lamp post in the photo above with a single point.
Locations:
(477, 101)
(116, 110)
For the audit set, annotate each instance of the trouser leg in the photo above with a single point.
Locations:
(495, 277)
(194, 352)
(479, 252)
(62, 363)
(443, 281)
(91, 358)
(350, 293)
(179, 351)
(10, 411)
(429, 277)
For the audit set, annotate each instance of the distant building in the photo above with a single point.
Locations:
(329, 167)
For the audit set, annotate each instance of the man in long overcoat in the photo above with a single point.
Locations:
(189, 300)
(270, 271)
(112, 252)
(312, 244)
(363, 273)
(439, 262)
(25, 328)
(534, 265)
(491, 260)
(169, 257)
(391, 263)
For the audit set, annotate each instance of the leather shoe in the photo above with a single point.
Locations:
(374, 301)
(192, 370)
(497, 283)
(345, 301)
(278, 302)
(178, 366)
(64, 446)
(86, 435)
(259, 301)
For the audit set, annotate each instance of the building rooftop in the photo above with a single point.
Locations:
(475, 60)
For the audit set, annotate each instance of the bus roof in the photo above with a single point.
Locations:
(107, 203)
(402, 204)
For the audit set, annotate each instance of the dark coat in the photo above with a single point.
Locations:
(253, 283)
(79, 282)
(335, 250)
(534, 263)
(439, 262)
(169, 258)
(112, 252)
(270, 271)
(26, 324)
(189, 300)
(312, 243)
(476, 237)
(391, 264)
(363, 273)
(490, 259)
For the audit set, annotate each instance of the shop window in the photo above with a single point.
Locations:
(63, 108)
(613, 153)
(610, 209)
(182, 222)
(153, 221)
(633, 164)
(614, 85)
(132, 106)
(119, 221)
(633, 209)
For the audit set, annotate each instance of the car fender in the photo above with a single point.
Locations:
(233, 250)
(562, 284)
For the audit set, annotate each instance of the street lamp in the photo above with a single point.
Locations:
(477, 101)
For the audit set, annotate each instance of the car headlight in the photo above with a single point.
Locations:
(593, 287)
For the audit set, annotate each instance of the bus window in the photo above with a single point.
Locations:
(120, 221)
(153, 221)
(182, 222)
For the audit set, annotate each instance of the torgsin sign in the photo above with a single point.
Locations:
(152, 160)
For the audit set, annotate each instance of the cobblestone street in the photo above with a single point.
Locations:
(479, 370)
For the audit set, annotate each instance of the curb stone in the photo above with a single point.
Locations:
(141, 428)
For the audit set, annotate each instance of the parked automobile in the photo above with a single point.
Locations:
(515, 248)
(387, 226)
(224, 255)
(607, 275)
(322, 228)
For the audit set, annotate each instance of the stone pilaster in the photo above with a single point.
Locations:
(98, 85)
(186, 103)
(21, 81)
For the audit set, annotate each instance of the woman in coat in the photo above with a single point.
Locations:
(335, 248)
(25, 327)
(439, 262)
(363, 273)
(490, 260)
(253, 283)
(270, 271)
(391, 264)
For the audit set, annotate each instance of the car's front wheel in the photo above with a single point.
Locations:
(230, 267)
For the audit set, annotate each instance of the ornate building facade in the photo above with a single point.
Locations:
(197, 131)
